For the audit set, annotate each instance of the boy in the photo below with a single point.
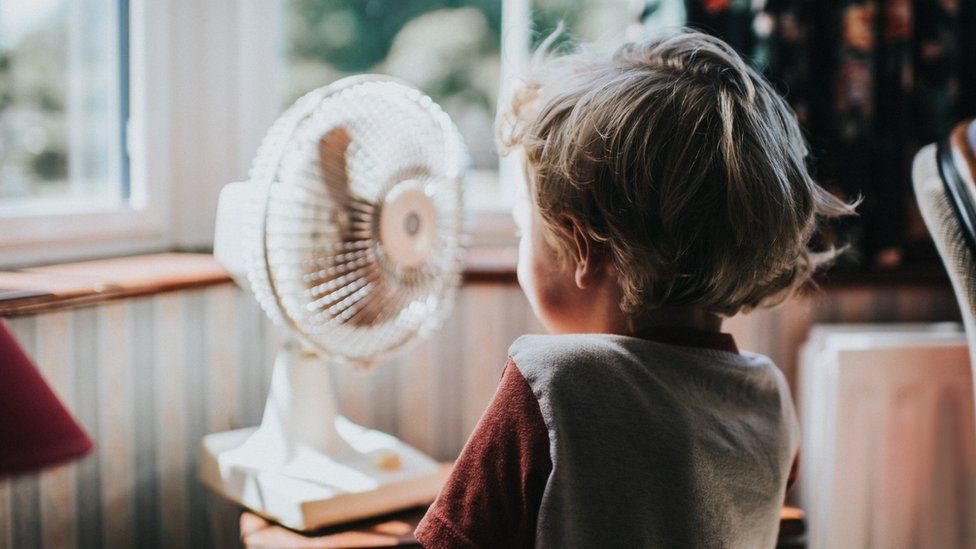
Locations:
(667, 189)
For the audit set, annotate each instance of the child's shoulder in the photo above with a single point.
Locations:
(570, 349)
(602, 360)
(561, 360)
(560, 350)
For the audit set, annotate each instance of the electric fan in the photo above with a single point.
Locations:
(348, 234)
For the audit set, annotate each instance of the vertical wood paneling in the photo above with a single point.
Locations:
(116, 424)
(223, 367)
(25, 498)
(222, 364)
(828, 305)
(145, 498)
(793, 328)
(171, 419)
(884, 305)
(5, 541)
(252, 341)
(25, 520)
(196, 511)
(88, 371)
(55, 360)
(945, 305)
(449, 361)
(913, 305)
(518, 315)
(859, 305)
(384, 394)
(485, 347)
(415, 422)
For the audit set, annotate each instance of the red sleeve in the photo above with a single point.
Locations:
(493, 495)
(794, 473)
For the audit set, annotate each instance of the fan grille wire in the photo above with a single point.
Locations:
(323, 270)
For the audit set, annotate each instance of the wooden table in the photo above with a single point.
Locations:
(396, 530)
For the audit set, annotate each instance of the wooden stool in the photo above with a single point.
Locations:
(396, 530)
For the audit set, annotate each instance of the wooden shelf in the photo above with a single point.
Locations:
(43, 289)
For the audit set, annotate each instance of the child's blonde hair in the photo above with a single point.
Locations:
(679, 161)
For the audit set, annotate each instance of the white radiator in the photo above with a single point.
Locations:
(889, 447)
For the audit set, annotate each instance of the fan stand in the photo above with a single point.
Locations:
(306, 466)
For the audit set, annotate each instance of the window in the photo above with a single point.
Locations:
(63, 105)
(84, 88)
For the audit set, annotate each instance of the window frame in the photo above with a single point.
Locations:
(139, 223)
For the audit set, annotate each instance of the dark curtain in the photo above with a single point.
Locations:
(871, 81)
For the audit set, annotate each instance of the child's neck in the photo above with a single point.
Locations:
(599, 312)
(611, 320)
(676, 317)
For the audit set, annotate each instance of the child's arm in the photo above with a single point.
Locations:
(493, 495)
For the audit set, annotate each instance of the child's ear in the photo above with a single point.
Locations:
(588, 264)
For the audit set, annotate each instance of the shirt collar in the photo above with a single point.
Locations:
(691, 337)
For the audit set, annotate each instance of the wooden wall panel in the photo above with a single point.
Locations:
(5, 540)
(116, 421)
(170, 421)
(57, 485)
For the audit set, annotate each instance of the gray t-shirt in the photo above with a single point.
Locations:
(658, 445)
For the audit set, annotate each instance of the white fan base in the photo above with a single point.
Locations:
(315, 490)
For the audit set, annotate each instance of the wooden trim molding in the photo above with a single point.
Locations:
(54, 287)
(69, 285)
(493, 265)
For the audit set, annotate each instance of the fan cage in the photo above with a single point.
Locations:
(316, 264)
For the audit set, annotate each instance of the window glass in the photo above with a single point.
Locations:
(447, 48)
(62, 104)
(605, 23)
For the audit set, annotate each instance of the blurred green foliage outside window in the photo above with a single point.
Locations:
(451, 49)
(60, 103)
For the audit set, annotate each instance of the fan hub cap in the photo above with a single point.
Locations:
(408, 224)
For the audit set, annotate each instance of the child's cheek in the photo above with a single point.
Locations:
(555, 300)
(544, 281)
